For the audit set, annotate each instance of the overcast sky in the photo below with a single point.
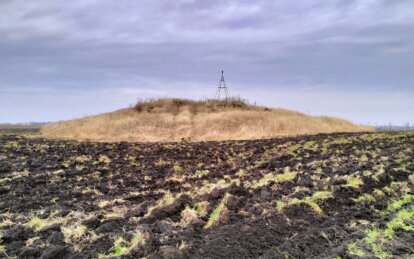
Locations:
(348, 58)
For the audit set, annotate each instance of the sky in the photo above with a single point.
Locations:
(67, 59)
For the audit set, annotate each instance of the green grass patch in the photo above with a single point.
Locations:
(324, 149)
(354, 250)
(398, 204)
(363, 158)
(317, 196)
(122, 247)
(279, 205)
(411, 178)
(340, 141)
(310, 201)
(404, 220)
(293, 149)
(136, 238)
(177, 168)
(216, 212)
(119, 247)
(353, 181)
(287, 175)
(201, 208)
(241, 172)
(375, 237)
(104, 159)
(364, 199)
(38, 224)
(201, 173)
(309, 145)
(189, 214)
(378, 193)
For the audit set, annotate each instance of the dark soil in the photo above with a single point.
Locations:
(89, 195)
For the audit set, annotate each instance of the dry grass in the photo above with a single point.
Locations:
(74, 233)
(177, 119)
(175, 106)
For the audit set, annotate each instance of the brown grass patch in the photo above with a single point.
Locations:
(177, 119)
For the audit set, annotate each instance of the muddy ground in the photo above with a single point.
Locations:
(321, 196)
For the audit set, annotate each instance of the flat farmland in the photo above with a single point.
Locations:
(342, 195)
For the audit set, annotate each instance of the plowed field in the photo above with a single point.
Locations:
(320, 196)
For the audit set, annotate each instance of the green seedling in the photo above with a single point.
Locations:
(279, 205)
(119, 247)
(122, 247)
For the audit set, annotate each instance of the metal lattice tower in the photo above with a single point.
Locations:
(222, 86)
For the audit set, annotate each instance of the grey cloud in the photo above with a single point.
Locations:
(268, 45)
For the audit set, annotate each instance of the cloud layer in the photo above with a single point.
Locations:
(64, 59)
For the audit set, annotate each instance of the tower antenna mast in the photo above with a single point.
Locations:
(222, 86)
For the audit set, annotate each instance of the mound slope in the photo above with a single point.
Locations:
(177, 119)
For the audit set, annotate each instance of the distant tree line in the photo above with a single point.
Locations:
(390, 127)
(27, 125)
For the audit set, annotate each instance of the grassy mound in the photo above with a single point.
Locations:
(177, 119)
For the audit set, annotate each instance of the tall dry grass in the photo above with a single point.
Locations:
(177, 119)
